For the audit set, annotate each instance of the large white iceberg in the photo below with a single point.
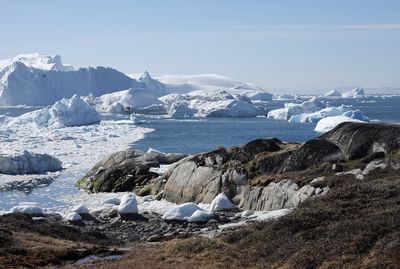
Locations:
(28, 163)
(290, 109)
(318, 115)
(128, 100)
(209, 104)
(40, 80)
(64, 113)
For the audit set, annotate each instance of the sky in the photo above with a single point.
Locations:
(281, 45)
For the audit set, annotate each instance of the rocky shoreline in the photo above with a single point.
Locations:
(262, 175)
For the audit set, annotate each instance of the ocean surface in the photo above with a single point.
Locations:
(190, 136)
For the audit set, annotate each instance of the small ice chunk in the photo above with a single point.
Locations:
(73, 216)
(181, 212)
(221, 202)
(111, 201)
(128, 204)
(27, 209)
(201, 216)
(80, 209)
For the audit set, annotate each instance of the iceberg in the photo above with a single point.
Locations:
(41, 81)
(318, 115)
(35, 60)
(129, 101)
(259, 95)
(328, 123)
(181, 84)
(28, 163)
(209, 104)
(64, 113)
(290, 109)
(356, 93)
(333, 93)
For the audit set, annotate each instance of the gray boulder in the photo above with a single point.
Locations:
(126, 171)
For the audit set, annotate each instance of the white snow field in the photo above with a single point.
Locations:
(64, 113)
(209, 104)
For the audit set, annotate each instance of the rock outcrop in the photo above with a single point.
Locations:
(126, 171)
(237, 171)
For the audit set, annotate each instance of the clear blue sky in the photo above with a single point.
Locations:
(278, 44)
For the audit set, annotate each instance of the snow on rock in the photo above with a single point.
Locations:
(181, 212)
(80, 209)
(208, 104)
(73, 217)
(291, 109)
(221, 202)
(36, 60)
(327, 124)
(333, 93)
(128, 204)
(30, 209)
(127, 100)
(356, 93)
(200, 216)
(28, 163)
(64, 113)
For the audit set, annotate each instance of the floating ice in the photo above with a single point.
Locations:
(209, 104)
(28, 163)
(29, 209)
(291, 109)
(64, 113)
(329, 123)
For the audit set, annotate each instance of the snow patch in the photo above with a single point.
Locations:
(221, 202)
